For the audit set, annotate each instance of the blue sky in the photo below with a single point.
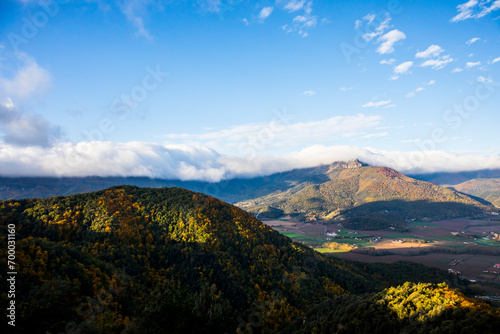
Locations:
(210, 89)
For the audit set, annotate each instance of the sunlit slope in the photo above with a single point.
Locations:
(169, 261)
(159, 258)
(488, 189)
(350, 188)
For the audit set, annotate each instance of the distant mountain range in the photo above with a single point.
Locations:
(342, 190)
(366, 198)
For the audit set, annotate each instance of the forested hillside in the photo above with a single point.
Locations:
(409, 308)
(170, 261)
(369, 197)
(488, 189)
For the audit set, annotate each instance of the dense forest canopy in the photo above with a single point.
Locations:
(168, 260)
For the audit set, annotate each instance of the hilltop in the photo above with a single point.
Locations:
(170, 260)
(368, 197)
(488, 189)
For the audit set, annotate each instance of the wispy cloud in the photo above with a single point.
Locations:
(474, 9)
(434, 51)
(472, 64)
(496, 60)
(134, 11)
(379, 36)
(294, 5)
(265, 13)
(387, 61)
(30, 78)
(22, 129)
(382, 27)
(301, 24)
(484, 79)
(376, 104)
(403, 68)
(431, 51)
(472, 40)
(309, 93)
(420, 89)
(345, 89)
(283, 135)
(388, 40)
(375, 135)
(437, 64)
(457, 70)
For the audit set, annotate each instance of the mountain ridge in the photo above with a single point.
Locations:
(232, 191)
(379, 188)
(144, 260)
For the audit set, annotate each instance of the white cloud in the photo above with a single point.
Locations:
(134, 11)
(376, 104)
(357, 24)
(309, 93)
(457, 70)
(210, 6)
(387, 61)
(378, 30)
(302, 23)
(420, 89)
(28, 80)
(375, 135)
(245, 21)
(465, 10)
(198, 163)
(265, 13)
(412, 94)
(432, 51)
(388, 40)
(483, 79)
(475, 9)
(278, 134)
(403, 67)
(472, 64)
(369, 18)
(295, 5)
(21, 129)
(345, 89)
(438, 63)
(472, 40)
(496, 60)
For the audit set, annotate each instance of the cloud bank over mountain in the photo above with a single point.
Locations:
(187, 162)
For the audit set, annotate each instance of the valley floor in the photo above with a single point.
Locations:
(466, 247)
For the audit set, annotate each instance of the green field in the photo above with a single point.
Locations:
(360, 243)
(303, 238)
(450, 238)
(328, 250)
(488, 242)
(345, 234)
(421, 223)
(398, 236)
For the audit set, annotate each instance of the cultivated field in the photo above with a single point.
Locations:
(437, 244)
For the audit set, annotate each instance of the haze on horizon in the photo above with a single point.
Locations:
(214, 89)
